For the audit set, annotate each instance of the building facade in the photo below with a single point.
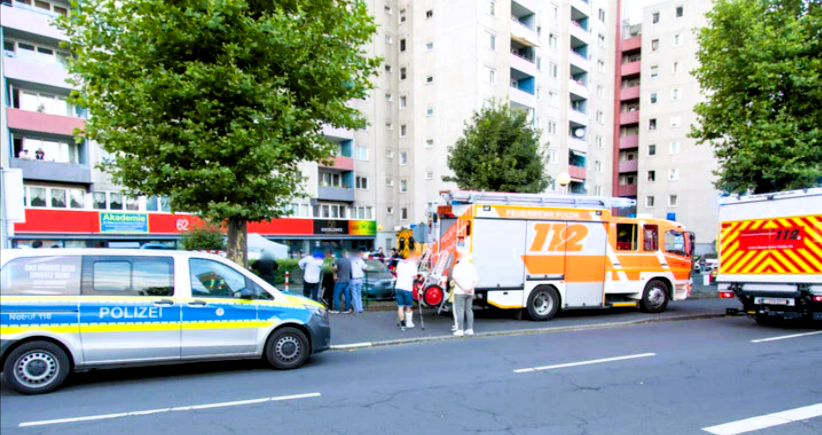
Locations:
(443, 61)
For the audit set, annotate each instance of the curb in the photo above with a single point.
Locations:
(366, 345)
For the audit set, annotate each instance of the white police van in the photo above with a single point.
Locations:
(64, 310)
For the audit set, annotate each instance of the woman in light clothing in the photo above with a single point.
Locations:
(465, 279)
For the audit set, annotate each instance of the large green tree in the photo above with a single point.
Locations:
(761, 70)
(499, 151)
(214, 102)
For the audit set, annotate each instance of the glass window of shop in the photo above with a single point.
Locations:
(54, 197)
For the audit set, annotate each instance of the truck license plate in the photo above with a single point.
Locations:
(774, 301)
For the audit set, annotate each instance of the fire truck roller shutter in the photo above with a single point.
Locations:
(585, 254)
(498, 249)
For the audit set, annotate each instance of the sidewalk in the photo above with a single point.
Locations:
(379, 327)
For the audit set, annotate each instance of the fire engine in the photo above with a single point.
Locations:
(544, 253)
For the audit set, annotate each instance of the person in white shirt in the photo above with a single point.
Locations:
(404, 288)
(312, 267)
(358, 267)
(465, 279)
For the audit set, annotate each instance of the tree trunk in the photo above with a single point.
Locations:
(238, 241)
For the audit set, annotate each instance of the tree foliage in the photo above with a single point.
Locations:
(207, 237)
(761, 69)
(212, 103)
(499, 151)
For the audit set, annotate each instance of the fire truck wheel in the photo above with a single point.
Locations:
(543, 303)
(655, 297)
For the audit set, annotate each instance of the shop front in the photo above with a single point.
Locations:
(105, 229)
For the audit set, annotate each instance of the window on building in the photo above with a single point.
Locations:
(362, 183)
(600, 91)
(389, 182)
(674, 149)
(42, 102)
(115, 201)
(600, 117)
(553, 70)
(403, 130)
(602, 15)
(539, 93)
(100, 201)
(404, 214)
(402, 44)
(655, 71)
(597, 190)
(492, 8)
(655, 17)
(680, 11)
(553, 157)
(429, 143)
(552, 128)
(48, 150)
(403, 73)
(389, 154)
(651, 150)
(429, 175)
(58, 198)
(601, 66)
(652, 124)
(675, 67)
(492, 41)
(653, 97)
(673, 200)
(492, 76)
(403, 158)
(132, 204)
(601, 39)
(539, 63)
(429, 80)
(655, 45)
(403, 186)
(389, 126)
(388, 97)
(676, 94)
(388, 10)
(429, 13)
(677, 40)
(599, 142)
(403, 102)
(402, 15)
(676, 121)
(627, 237)
(429, 112)
(388, 68)
(552, 41)
(330, 179)
(673, 174)
(389, 39)
(651, 176)
(598, 166)
(389, 210)
(553, 99)
(649, 201)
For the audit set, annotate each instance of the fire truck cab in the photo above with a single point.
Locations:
(545, 253)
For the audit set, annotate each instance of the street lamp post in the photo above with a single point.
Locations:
(564, 179)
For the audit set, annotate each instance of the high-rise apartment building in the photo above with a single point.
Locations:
(442, 62)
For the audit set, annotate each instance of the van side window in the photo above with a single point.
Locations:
(128, 276)
(650, 238)
(626, 237)
(675, 243)
(211, 279)
(41, 276)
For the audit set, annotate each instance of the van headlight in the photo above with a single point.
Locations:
(317, 311)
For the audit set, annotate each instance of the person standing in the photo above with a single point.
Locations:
(358, 267)
(265, 267)
(312, 269)
(380, 255)
(406, 273)
(342, 279)
(465, 279)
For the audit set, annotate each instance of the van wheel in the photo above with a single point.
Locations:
(543, 303)
(287, 348)
(36, 367)
(655, 297)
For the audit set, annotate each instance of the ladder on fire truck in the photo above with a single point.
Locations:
(457, 197)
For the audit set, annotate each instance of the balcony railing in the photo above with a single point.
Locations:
(576, 172)
(41, 170)
(628, 142)
(628, 166)
(331, 193)
(340, 163)
(43, 123)
(627, 190)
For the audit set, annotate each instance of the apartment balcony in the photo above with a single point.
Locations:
(630, 68)
(577, 88)
(580, 61)
(30, 20)
(576, 172)
(531, 5)
(49, 74)
(628, 166)
(579, 32)
(578, 117)
(39, 170)
(628, 142)
(337, 133)
(340, 163)
(629, 117)
(339, 194)
(626, 190)
(523, 34)
(629, 44)
(42, 123)
(526, 66)
(578, 144)
(520, 98)
(631, 93)
(582, 5)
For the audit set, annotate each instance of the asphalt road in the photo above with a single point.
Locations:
(676, 378)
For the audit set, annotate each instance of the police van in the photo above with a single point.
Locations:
(76, 309)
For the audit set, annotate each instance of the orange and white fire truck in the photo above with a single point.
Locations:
(545, 253)
(770, 254)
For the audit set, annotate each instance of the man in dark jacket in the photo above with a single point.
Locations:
(265, 268)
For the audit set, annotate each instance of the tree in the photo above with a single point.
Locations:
(499, 151)
(214, 102)
(206, 237)
(761, 70)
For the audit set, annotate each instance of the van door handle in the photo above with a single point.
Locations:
(164, 302)
(197, 303)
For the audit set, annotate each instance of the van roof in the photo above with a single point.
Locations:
(9, 254)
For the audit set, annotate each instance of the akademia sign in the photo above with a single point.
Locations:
(332, 227)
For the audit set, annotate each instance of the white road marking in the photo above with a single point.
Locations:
(783, 337)
(351, 346)
(157, 411)
(766, 421)
(585, 363)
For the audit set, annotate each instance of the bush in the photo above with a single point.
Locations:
(206, 237)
